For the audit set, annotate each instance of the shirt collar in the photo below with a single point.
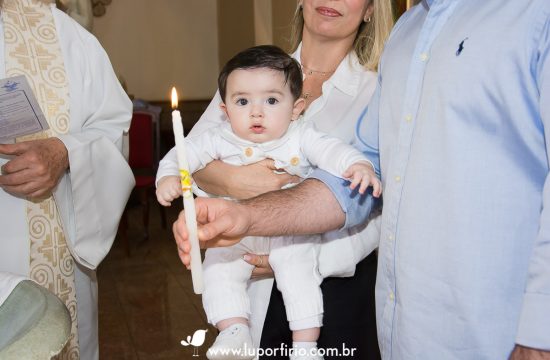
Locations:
(347, 76)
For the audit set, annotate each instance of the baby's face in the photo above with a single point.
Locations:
(259, 104)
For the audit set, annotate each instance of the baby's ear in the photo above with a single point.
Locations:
(299, 106)
(224, 109)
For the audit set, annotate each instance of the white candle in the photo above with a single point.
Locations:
(188, 202)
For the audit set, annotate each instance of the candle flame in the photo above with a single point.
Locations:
(174, 98)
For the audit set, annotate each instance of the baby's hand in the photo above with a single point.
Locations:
(168, 189)
(362, 173)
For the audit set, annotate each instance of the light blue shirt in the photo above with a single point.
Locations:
(459, 128)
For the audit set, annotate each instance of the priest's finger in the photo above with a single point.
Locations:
(27, 189)
(17, 164)
(13, 149)
(30, 182)
(47, 158)
(16, 178)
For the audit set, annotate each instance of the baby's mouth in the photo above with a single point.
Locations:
(257, 129)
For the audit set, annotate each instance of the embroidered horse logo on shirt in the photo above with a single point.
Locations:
(460, 47)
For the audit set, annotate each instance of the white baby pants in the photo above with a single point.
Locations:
(294, 260)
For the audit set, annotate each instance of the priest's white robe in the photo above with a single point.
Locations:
(92, 194)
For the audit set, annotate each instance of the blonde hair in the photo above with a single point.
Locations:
(370, 38)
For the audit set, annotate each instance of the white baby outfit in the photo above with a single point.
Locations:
(294, 259)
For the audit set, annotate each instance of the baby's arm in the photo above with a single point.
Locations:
(168, 179)
(200, 150)
(168, 189)
(362, 173)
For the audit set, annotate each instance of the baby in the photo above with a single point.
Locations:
(260, 88)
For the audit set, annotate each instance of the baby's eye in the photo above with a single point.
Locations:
(272, 101)
(242, 102)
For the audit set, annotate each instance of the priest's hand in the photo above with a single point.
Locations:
(35, 168)
(220, 222)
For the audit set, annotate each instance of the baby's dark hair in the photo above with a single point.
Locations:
(264, 56)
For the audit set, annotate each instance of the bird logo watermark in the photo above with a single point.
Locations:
(196, 340)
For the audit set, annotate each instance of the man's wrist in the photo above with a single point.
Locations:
(525, 353)
(64, 153)
(244, 211)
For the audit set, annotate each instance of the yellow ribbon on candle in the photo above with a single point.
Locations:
(185, 181)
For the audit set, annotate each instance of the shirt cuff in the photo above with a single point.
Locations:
(357, 207)
(533, 322)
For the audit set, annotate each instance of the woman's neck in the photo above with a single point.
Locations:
(322, 54)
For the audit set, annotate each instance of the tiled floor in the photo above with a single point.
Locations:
(146, 301)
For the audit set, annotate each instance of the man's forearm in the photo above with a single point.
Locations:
(308, 208)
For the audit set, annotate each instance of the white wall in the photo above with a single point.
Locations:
(155, 44)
